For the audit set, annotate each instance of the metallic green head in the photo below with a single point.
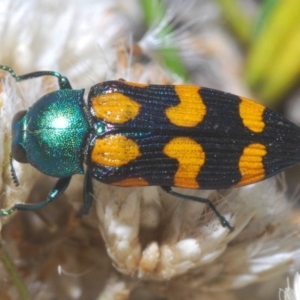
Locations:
(51, 135)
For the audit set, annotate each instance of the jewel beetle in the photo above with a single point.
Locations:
(131, 134)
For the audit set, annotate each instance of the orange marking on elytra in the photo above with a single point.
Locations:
(114, 151)
(252, 115)
(136, 181)
(134, 84)
(191, 158)
(251, 164)
(115, 108)
(191, 109)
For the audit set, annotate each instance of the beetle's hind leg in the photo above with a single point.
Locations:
(223, 221)
(57, 190)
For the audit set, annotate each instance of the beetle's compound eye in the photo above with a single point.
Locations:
(18, 116)
(19, 154)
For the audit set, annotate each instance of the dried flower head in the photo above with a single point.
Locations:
(160, 245)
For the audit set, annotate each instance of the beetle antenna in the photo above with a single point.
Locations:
(10, 70)
(63, 82)
(13, 171)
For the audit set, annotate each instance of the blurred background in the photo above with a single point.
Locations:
(246, 47)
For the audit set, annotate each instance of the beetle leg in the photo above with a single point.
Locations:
(223, 221)
(57, 190)
(87, 195)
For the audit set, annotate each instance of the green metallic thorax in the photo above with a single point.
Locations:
(54, 132)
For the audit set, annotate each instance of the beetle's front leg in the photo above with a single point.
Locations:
(57, 190)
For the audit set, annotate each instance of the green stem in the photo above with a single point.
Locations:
(14, 275)
(237, 19)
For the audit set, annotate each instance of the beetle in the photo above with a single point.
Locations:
(131, 134)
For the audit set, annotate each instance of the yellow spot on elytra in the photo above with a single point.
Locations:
(137, 181)
(114, 151)
(191, 158)
(251, 164)
(115, 108)
(191, 109)
(134, 84)
(252, 115)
